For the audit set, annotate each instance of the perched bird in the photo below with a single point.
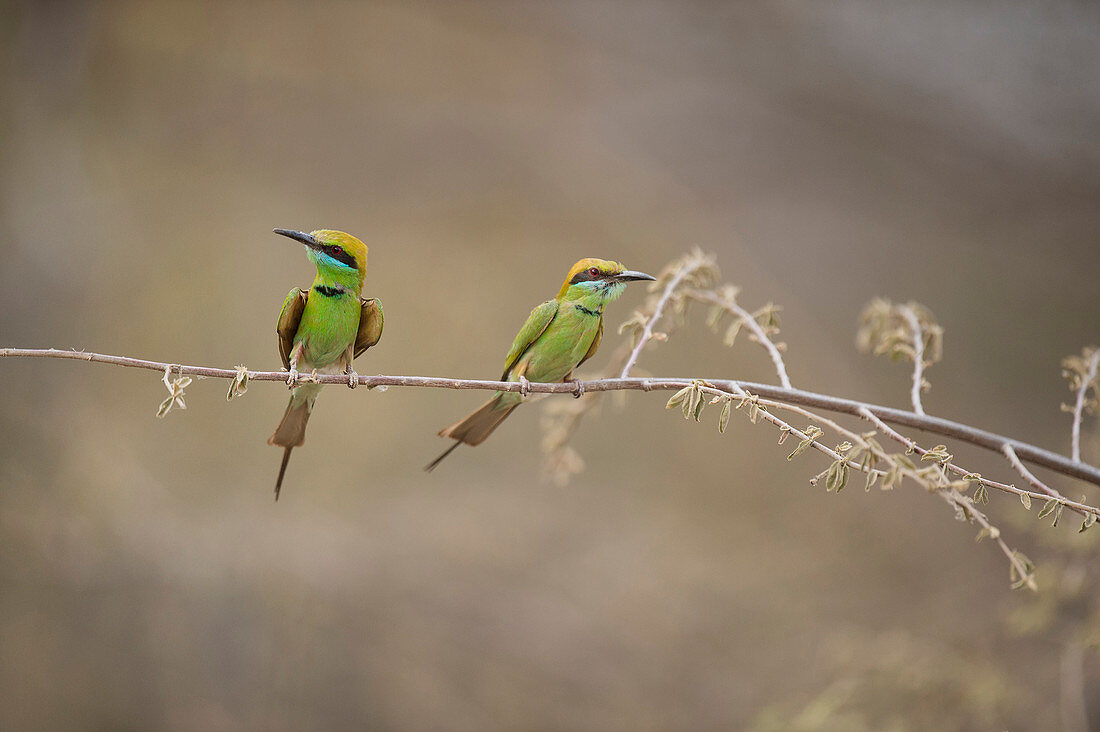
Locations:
(323, 328)
(558, 336)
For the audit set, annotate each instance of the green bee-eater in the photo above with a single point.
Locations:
(558, 336)
(323, 328)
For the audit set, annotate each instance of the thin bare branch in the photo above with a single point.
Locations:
(1019, 467)
(831, 424)
(917, 334)
(684, 271)
(906, 332)
(870, 416)
(952, 497)
(955, 499)
(981, 438)
(812, 416)
(737, 390)
(961, 503)
(750, 322)
(1087, 381)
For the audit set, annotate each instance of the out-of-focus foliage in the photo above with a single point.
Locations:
(884, 329)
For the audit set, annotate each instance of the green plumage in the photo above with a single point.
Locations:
(324, 328)
(557, 338)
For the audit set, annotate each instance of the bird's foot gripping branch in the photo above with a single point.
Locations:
(905, 332)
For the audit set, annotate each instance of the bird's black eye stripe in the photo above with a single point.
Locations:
(340, 255)
(585, 276)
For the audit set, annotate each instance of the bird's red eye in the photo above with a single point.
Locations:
(594, 272)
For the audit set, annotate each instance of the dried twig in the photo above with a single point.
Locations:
(903, 332)
(843, 460)
(1014, 460)
(1081, 371)
(727, 302)
(1082, 508)
(918, 356)
(684, 270)
(1023, 573)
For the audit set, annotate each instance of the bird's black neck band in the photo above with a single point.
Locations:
(330, 290)
(586, 311)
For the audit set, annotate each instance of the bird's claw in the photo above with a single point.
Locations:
(292, 378)
(578, 388)
(353, 379)
(524, 386)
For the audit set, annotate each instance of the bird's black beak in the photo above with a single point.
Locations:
(301, 236)
(632, 276)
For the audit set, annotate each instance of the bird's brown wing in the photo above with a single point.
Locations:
(289, 318)
(595, 344)
(370, 325)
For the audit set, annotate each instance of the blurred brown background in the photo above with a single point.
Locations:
(827, 153)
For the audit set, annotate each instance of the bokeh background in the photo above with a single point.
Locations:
(826, 152)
